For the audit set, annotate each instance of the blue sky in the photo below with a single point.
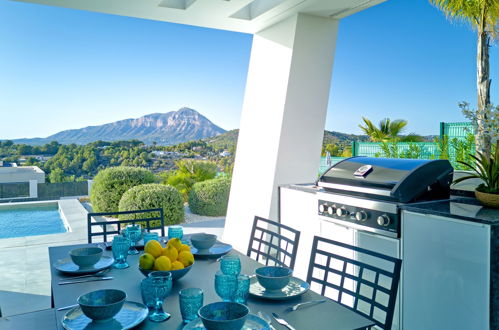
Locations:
(62, 69)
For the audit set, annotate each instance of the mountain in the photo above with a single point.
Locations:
(162, 128)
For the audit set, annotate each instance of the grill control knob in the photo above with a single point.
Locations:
(383, 220)
(341, 212)
(321, 208)
(330, 210)
(361, 216)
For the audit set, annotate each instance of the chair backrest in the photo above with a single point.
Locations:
(113, 227)
(273, 243)
(362, 280)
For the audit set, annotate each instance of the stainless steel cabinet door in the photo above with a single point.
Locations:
(445, 269)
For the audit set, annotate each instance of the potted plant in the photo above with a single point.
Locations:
(486, 169)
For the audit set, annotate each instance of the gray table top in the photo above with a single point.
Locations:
(328, 315)
(45, 319)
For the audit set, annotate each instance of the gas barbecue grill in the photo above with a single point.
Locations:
(365, 193)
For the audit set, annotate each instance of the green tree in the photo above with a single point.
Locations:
(387, 130)
(56, 175)
(189, 172)
(483, 16)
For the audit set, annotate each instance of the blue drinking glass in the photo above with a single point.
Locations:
(225, 286)
(154, 289)
(134, 234)
(230, 265)
(175, 232)
(242, 290)
(120, 248)
(190, 301)
(150, 237)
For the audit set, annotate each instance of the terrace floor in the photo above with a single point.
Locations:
(24, 261)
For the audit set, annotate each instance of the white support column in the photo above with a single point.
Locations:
(33, 188)
(283, 118)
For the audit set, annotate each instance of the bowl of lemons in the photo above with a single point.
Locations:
(175, 257)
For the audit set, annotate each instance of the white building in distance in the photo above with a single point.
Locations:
(9, 174)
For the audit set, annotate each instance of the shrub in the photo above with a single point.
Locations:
(152, 196)
(210, 197)
(111, 183)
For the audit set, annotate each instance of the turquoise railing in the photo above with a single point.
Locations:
(423, 150)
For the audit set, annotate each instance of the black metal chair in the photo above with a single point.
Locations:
(347, 274)
(113, 227)
(273, 243)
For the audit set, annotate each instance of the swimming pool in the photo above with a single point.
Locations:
(30, 220)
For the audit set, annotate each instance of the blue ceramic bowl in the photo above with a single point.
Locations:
(176, 274)
(86, 257)
(273, 277)
(102, 305)
(203, 241)
(223, 315)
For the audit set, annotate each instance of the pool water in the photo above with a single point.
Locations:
(30, 221)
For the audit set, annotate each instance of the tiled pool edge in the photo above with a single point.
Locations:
(20, 281)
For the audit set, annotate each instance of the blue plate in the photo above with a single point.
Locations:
(295, 288)
(131, 315)
(68, 266)
(253, 322)
(216, 251)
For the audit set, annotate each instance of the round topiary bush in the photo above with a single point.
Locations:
(152, 196)
(111, 183)
(210, 197)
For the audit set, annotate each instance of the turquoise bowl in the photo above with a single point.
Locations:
(273, 277)
(86, 257)
(176, 274)
(223, 315)
(102, 305)
(203, 241)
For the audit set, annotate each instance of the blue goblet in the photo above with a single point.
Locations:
(150, 237)
(154, 289)
(120, 248)
(242, 290)
(230, 265)
(225, 286)
(134, 234)
(175, 232)
(190, 301)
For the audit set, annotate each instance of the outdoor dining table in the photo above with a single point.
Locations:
(327, 315)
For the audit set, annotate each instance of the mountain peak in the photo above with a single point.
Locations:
(173, 127)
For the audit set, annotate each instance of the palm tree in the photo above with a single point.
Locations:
(483, 16)
(387, 130)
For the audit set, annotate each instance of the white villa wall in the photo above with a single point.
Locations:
(21, 174)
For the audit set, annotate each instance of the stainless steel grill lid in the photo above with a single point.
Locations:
(402, 180)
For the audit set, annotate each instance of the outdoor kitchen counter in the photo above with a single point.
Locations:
(468, 209)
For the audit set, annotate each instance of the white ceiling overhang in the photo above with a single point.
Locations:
(249, 16)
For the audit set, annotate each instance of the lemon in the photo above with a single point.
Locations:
(163, 263)
(184, 247)
(175, 242)
(153, 248)
(146, 261)
(170, 252)
(177, 265)
(186, 258)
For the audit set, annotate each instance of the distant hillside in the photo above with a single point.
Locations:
(228, 139)
(342, 138)
(162, 128)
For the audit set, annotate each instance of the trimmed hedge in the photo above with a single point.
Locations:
(210, 197)
(111, 183)
(151, 196)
